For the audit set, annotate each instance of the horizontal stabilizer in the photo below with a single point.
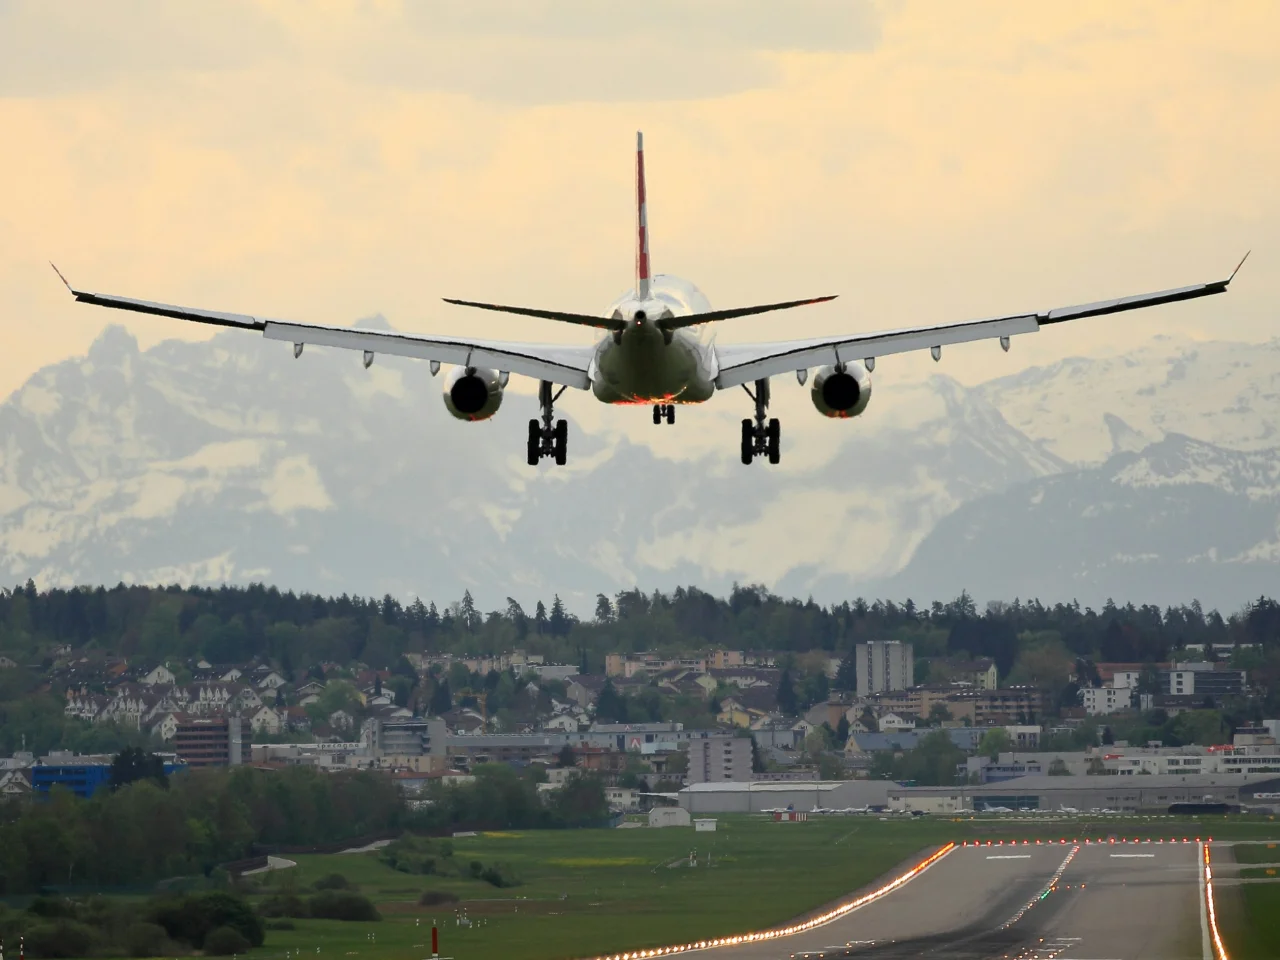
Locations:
(585, 319)
(673, 323)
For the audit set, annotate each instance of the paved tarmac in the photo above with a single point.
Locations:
(1109, 902)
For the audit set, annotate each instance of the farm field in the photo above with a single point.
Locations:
(587, 892)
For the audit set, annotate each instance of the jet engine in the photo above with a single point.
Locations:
(473, 393)
(841, 391)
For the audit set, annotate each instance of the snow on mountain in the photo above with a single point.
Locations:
(1084, 410)
(231, 461)
(1183, 519)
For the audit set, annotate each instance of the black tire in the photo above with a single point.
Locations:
(535, 443)
(657, 413)
(562, 442)
(671, 413)
(775, 440)
(748, 440)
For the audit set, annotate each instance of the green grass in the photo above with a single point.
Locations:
(1257, 853)
(1249, 918)
(586, 892)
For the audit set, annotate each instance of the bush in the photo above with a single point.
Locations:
(224, 941)
(283, 905)
(281, 925)
(147, 940)
(419, 855)
(342, 905)
(190, 919)
(334, 881)
(434, 898)
(62, 938)
(499, 875)
(52, 907)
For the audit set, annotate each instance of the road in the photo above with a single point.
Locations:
(1136, 901)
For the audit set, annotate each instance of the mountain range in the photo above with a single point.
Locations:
(1149, 476)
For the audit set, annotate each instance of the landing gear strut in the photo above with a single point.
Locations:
(546, 440)
(761, 437)
(667, 410)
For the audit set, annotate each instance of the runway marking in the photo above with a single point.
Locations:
(1131, 856)
(1012, 856)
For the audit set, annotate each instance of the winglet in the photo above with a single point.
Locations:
(1239, 265)
(642, 225)
(64, 279)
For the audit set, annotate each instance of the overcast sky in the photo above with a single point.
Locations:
(925, 160)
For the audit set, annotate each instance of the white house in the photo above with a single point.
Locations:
(232, 675)
(896, 723)
(160, 674)
(1099, 701)
(564, 722)
(6, 663)
(165, 727)
(272, 681)
(265, 720)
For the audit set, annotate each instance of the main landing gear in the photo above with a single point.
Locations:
(760, 438)
(664, 410)
(544, 439)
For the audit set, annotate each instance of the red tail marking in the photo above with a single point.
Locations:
(642, 225)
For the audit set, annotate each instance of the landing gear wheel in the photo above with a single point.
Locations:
(535, 442)
(561, 442)
(748, 441)
(657, 413)
(671, 413)
(775, 440)
(546, 440)
(761, 437)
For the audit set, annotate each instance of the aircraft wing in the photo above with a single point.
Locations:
(558, 363)
(740, 363)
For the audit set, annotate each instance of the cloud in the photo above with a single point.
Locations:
(48, 49)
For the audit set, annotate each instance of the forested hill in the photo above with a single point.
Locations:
(296, 631)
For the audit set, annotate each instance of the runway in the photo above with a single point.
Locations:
(1136, 901)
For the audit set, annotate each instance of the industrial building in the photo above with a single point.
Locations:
(759, 796)
(884, 665)
(1149, 794)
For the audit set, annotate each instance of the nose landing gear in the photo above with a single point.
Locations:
(667, 410)
(761, 437)
(546, 440)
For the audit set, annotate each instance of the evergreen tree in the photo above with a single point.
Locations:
(566, 757)
(610, 706)
(842, 730)
(559, 621)
(468, 613)
(134, 763)
(847, 675)
(604, 609)
(441, 698)
(788, 703)
(757, 757)
(540, 619)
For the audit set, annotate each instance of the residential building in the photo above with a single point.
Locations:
(211, 741)
(884, 665)
(722, 758)
(1202, 680)
(7, 664)
(1100, 701)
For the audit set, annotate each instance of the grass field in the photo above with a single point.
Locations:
(1258, 853)
(587, 892)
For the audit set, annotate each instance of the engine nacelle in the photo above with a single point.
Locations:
(841, 391)
(473, 393)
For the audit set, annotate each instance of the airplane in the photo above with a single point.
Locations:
(650, 352)
(1062, 808)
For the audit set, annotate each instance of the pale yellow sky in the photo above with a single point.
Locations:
(925, 160)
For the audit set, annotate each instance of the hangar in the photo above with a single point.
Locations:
(755, 797)
(1154, 793)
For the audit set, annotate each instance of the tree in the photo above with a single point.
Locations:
(842, 730)
(441, 698)
(995, 742)
(846, 679)
(610, 706)
(134, 763)
(1058, 768)
(604, 609)
(757, 758)
(559, 621)
(938, 714)
(788, 703)
(566, 757)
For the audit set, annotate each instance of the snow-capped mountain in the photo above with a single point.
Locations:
(230, 461)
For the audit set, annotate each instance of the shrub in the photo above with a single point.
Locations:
(342, 905)
(281, 925)
(52, 907)
(224, 941)
(147, 940)
(434, 898)
(62, 938)
(191, 918)
(419, 855)
(334, 881)
(283, 905)
(499, 875)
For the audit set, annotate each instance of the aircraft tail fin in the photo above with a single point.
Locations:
(642, 225)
